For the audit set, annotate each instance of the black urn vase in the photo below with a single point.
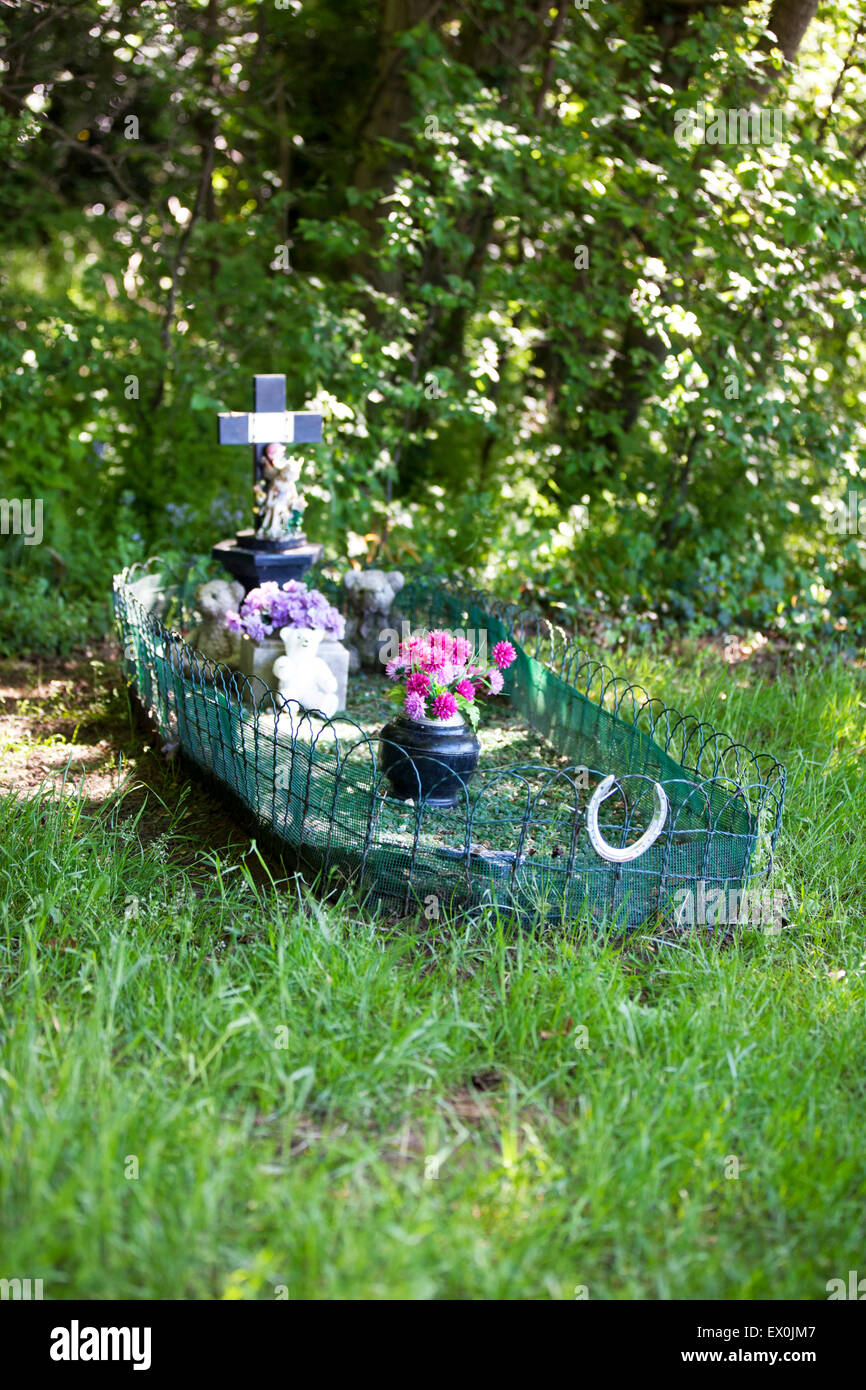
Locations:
(428, 760)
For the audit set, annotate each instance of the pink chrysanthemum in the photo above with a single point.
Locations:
(466, 689)
(418, 683)
(504, 654)
(444, 706)
(461, 651)
(496, 680)
(414, 705)
(392, 668)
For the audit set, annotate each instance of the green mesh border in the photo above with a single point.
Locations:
(316, 787)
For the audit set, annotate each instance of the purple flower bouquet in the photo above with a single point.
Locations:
(269, 607)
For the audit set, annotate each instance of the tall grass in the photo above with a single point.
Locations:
(216, 1087)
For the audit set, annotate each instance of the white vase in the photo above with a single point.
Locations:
(257, 659)
(336, 658)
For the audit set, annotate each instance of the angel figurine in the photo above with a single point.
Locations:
(281, 505)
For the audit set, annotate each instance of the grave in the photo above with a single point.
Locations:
(684, 805)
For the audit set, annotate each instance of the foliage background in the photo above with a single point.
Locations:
(557, 347)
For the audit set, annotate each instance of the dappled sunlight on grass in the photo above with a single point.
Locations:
(493, 1113)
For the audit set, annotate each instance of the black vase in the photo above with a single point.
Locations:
(428, 760)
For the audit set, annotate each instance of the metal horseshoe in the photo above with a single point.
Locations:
(650, 835)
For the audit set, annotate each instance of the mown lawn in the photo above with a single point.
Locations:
(211, 1087)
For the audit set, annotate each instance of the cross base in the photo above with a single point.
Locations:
(250, 541)
(253, 564)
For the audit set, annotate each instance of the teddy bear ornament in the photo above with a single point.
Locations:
(302, 675)
(370, 618)
(213, 600)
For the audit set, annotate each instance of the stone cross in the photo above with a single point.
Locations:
(269, 422)
(263, 553)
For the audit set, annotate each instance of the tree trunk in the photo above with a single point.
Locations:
(789, 20)
(386, 114)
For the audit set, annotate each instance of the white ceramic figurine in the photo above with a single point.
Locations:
(303, 676)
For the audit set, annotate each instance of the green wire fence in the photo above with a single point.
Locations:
(651, 803)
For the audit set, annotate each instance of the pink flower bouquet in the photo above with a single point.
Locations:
(438, 676)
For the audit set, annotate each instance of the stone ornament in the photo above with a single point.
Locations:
(281, 503)
(213, 600)
(302, 674)
(369, 596)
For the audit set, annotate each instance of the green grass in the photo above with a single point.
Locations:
(327, 1106)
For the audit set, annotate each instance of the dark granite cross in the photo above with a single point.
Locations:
(250, 557)
(269, 422)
